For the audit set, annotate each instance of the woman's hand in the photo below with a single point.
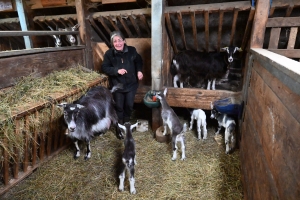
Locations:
(140, 75)
(122, 71)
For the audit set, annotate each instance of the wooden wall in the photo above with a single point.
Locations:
(270, 141)
(39, 62)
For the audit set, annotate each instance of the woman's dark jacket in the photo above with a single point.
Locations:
(127, 59)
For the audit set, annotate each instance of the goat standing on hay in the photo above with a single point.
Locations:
(128, 157)
(91, 115)
(171, 121)
(229, 124)
(199, 115)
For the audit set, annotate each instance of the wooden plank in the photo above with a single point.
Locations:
(221, 16)
(170, 30)
(100, 19)
(274, 38)
(35, 139)
(289, 10)
(12, 68)
(259, 24)
(235, 15)
(213, 7)
(248, 28)
(193, 22)
(206, 19)
(136, 12)
(116, 1)
(5, 162)
(280, 144)
(47, 3)
(292, 38)
(99, 31)
(290, 53)
(179, 18)
(135, 25)
(144, 20)
(109, 18)
(26, 144)
(283, 22)
(196, 98)
(23, 22)
(125, 26)
(16, 150)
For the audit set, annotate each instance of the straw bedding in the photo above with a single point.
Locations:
(207, 172)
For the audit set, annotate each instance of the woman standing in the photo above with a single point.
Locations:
(123, 65)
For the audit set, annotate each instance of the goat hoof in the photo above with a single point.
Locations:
(173, 159)
(75, 157)
(86, 158)
(121, 190)
(133, 192)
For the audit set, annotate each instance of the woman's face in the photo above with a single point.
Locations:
(118, 43)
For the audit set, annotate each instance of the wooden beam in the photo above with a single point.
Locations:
(290, 53)
(248, 28)
(206, 19)
(144, 20)
(283, 22)
(100, 19)
(274, 38)
(259, 24)
(125, 26)
(136, 12)
(235, 15)
(170, 30)
(292, 38)
(193, 21)
(221, 15)
(85, 33)
(289, 10)
(117, 1)
(99, 31)
(214, 7)
(23, 22)
(109, 18)
(136, 27)
(179, 18)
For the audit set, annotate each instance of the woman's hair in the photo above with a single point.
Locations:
(115, 33)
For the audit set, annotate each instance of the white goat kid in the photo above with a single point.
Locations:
(128, 157)
(199, 115)
(229, 124)
(171, 121)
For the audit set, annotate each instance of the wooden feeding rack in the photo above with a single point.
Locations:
(42, 137)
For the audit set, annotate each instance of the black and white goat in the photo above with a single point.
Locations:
(128, 157)
(199, 115)
(89, 116)
(195, 66)
(57, 40)
(171, 121)
(229, 124)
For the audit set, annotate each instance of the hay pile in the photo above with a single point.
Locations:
(207, 173)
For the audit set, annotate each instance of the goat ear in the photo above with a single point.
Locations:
(211, 105)
(165, 91)
(224, 49)
(134, 125)
(238, 49)
(62, 105)
(122, 127)
(80, 106)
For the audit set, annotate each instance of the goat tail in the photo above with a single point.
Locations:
(116, 87)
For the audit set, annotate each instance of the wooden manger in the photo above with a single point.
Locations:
(33, 134)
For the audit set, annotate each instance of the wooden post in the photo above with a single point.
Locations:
(157, 19)
(85, 33)
(259, 23)
(23, 22)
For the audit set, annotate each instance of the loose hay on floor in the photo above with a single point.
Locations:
(207, 172)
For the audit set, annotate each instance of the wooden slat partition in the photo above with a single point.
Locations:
(179, 18)
(248, 28)
(170, 29)
(221, 15)
(235, 16)
(276, 25)
(206, 21)
(193, 20)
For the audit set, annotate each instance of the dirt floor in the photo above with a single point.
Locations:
(207, 172)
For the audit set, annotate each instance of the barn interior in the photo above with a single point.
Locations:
(159, 30)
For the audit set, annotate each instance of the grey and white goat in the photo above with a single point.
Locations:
(199, 115)
(57, 39)
(171, 121)
(128, 157)
(70, 38)
(229, 124)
